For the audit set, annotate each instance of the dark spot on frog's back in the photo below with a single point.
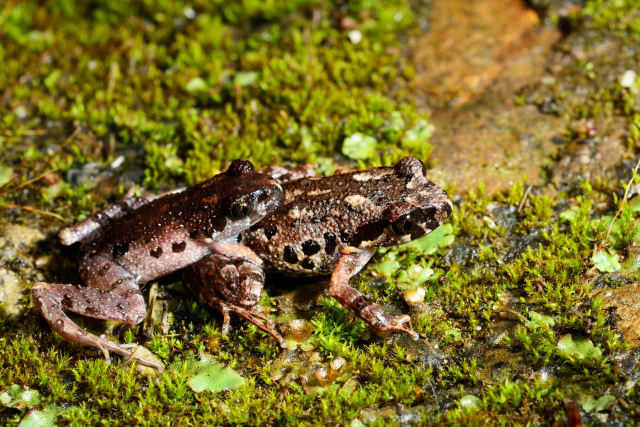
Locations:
(120, 249)
(289, 255)
(156, 253)
(178, 246)
(307, 263)
(330, 242)
(193, 234)
(310, 247)
(269, 232)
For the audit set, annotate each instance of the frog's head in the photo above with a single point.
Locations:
(415, 206)
(424, 207)
(234, 200)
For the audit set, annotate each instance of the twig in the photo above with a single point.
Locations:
(26, 132)
(524, 197)
(25, 183)
(624, 199)
(32, 209)
(66, 141)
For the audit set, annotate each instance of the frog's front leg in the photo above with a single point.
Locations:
(231, 280)
(81, 230)
(112, 294)
(350, 263)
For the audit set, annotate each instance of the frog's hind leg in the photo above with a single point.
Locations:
(231, 284)
(120, 300)
(350, 263)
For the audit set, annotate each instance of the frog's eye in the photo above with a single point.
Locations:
(240, 209)
(402, 225)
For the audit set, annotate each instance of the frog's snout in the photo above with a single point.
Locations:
(269, 198)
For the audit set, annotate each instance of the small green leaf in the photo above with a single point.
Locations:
(245, 78)
(359, 146)
(537, 320)
(453, 332)
(414, 276)
(208, 374)
(600, 404)
(579, 349)
(52, 78)
(635, 204)
(570, 215)
(387, 267)
(18, 397)
(394, 126)
(605, 261)
(470, 401)
(5, 174)
(439, 238)
(196, 85)
(418, 135)
(43, 418)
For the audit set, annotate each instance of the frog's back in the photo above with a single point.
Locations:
(361, 209)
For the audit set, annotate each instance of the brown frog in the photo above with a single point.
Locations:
(326, 226)
(143, 238)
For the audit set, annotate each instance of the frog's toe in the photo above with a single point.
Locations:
(141, 355)
(261, 321)
(384, 325)
(399, 326)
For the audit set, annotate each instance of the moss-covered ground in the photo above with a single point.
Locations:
(100, 97)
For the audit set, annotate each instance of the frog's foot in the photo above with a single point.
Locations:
(231, 280)
(251, 315)
(136, 353)
(382, 324)
(52, 298)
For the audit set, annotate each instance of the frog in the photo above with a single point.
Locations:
(142, 238)
(325, 226)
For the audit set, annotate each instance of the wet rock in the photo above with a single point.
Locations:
(626, 300)
(504, 216)
(12, 290)
(629, 363)
(497, 365)
(425, 353)
(472, 46)
(521, 243)
(17, 243)
(591, 158)
(470, 65)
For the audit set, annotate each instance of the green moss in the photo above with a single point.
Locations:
(620, 17)
(197, 85)
(201, 85)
